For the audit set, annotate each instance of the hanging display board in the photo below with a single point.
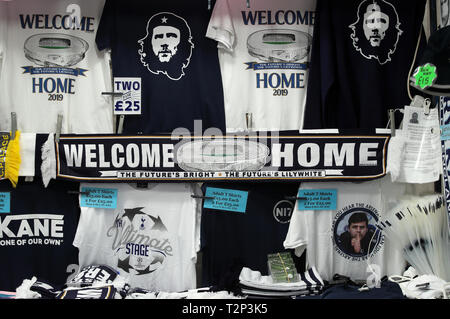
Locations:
(259, 156)
(4, 141)
(444, 114)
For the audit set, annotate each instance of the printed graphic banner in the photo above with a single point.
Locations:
(444, 115)
(54, 70)
(276, 66)
(4, 141)
(257, 157)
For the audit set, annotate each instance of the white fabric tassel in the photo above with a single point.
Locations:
(48, 167)
(395, 154)
(24, 292)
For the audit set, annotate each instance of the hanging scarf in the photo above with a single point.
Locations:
(10, 157)
(256, 157)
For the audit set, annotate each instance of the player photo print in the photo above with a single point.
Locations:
(355, 235)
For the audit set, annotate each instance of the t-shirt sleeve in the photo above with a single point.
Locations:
(105, 31)
(296, 237)
(198, 213)
(220, 27)
(80, 232)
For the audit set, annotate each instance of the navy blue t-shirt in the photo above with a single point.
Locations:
(163, 42)
(387, 290)
(232, 240)
(36, 234)
(361, 56)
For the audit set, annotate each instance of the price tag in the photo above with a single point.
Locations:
(445, 132)
(98, 197)
(130, 101)
(317, 199)
(226, 199)
(5, 202)
(425, 75)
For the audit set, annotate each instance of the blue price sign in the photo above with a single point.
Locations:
(98, 197)
(445, 132)
(317, 199)
(5, 202)
(226, 199)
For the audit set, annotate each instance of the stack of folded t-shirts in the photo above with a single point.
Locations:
(415, 286)
(104, 282)
(200, 293)
(91, 282)
(254, 285)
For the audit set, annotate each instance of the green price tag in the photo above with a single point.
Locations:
(425, 75)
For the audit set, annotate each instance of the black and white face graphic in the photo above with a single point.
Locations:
(414, 118)
(165, 42)
(376, 31)
(375, 25)
(167, 47)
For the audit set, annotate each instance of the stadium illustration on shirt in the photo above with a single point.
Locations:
(55, 50)
(279, 45)
(54, 56)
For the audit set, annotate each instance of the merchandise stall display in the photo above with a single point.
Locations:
(224, 149)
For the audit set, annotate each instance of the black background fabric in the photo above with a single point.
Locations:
(347, 90)
(437, 53)
(166, 104)
(46, 262)
(40, 140)
(231, 240)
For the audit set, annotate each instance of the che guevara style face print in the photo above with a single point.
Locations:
(165, 41)
(376, 31)
(375, 25)
(167, 47)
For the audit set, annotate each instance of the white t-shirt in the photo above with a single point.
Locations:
(326, 237)
(151, 238)
(264, 54)
(50, 67)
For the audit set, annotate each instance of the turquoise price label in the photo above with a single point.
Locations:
(98, 197)
(226, 199)
(445, 132)
(317, 199)
(5, 202)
